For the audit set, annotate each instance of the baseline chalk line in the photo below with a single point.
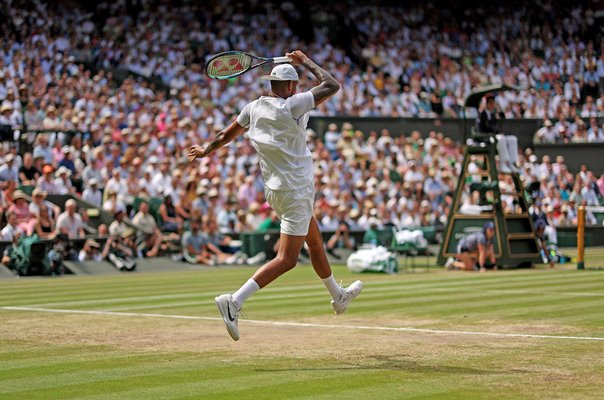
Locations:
(307, 325)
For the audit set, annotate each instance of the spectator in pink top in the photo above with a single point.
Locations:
(20, 209)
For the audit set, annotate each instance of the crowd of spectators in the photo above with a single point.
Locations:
(409, 61)
(133, 137)
(573, 131)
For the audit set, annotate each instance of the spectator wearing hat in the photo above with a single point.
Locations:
(118, 226)
(112, 204)
(20, 208)
(39, 201)
(9, 170)
(70, 222)
(580, 135)
(51, 121)
(11, 117)
(62, 181)
(92, 193)
(370, 236)
(475, 248)
(92, 251)
(28, 173)
(547, 133)
(67, 160)
(46, 182)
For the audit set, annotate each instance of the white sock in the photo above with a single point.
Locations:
(249, 288)
(334, 289)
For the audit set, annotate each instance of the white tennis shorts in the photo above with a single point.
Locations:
(293, 207)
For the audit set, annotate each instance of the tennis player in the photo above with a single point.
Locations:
(276, 126)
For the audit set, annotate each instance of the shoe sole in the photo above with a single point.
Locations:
(223, 312)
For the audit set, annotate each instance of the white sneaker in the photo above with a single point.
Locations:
(348, 294)
(449, 263)
(230, 314)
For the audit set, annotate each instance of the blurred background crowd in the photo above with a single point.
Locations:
(58, 66)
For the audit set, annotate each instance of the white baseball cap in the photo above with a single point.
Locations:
(282, 72)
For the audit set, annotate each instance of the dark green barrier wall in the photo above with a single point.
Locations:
(451, 127)
(575, 155)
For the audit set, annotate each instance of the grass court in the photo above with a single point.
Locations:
(523, 334)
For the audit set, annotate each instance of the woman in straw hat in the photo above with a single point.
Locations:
(20, 208)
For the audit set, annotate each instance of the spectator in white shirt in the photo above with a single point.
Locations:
(547, 133)
(9, 170)
(63, 182)
(11, 227)
(70, 222)
(595, 133)
(39, 200)
(92, 194)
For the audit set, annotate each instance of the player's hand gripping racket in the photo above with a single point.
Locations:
(234, 63)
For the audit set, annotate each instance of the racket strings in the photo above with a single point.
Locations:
(229, 65)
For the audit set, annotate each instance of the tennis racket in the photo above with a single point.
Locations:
(234, 63)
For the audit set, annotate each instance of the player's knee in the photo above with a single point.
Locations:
(287, 263)
(314, 244)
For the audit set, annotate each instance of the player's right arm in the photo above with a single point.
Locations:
(327, 86)
(223, 138)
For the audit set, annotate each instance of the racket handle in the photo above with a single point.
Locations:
(283, 59)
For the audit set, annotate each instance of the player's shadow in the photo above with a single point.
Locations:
(385, 363)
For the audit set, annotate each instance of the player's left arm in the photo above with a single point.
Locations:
(492, 254)
(482, 255)
(223, 138)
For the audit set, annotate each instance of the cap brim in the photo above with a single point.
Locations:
(272, 78)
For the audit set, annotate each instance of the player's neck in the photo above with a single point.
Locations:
(278, 95)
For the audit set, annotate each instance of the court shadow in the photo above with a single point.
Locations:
(397, 364)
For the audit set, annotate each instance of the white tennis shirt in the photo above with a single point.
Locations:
(277, 129)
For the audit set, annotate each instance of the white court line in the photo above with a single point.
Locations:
(310, 325)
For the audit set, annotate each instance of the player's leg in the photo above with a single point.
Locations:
(287, 257)
(318, 258)
(464, 261)
(341, 297)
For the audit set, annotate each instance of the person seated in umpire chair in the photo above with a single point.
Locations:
(507, 145)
